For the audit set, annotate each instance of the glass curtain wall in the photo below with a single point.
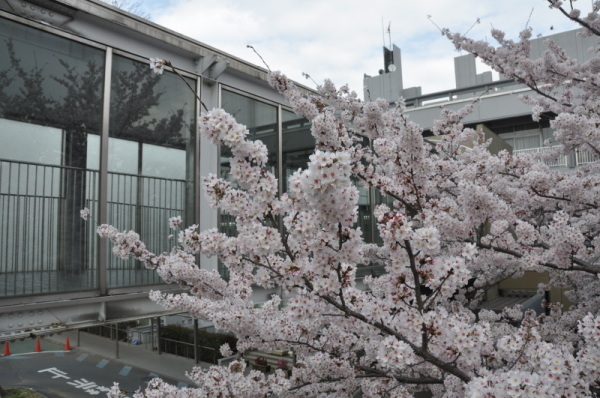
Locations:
(150, 161)
(50, 115)
(261, 120)
(297, 144)
(51, 106)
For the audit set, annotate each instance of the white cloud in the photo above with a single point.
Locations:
(343, 39)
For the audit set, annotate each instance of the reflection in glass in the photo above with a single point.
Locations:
(151, 161)
(50, 110)
(364, 212)
(298, 145)
(261, 120)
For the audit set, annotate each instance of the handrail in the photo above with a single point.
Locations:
(560, 161)
(89, 170)
(58, 166)
(460, 91)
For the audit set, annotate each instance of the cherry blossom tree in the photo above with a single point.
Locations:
(458, 221)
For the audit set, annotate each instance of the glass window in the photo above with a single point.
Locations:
(523, 140)
(365, 213)
(50, 113)
(259, 117)
(151, 161)
(261, 120)
(298, 144)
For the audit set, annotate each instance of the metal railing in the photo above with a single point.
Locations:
(553, 161)
(154, 343)
(184, 349)
(490, 88)
(584, 157)
(45, 247)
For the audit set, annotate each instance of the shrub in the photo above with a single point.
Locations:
(185, 336)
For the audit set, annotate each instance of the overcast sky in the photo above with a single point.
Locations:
(343, 39)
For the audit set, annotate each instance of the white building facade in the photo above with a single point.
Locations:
(499, 110)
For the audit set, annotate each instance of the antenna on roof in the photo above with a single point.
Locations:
(388, 53)
(382, 31)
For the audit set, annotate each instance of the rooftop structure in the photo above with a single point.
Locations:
(500, 110)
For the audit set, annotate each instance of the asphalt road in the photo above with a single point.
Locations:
(71, 374)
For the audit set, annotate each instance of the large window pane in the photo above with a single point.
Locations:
(365, 212)
(50, 112)
(261, 120)
(525, 141)
(151, 161)
(298, 144)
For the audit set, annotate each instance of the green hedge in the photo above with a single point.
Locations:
(19, 393)
(205, 339)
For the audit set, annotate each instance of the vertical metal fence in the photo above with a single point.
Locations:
(559, 161)
(155, 343)
(45, 247)
(583, 156)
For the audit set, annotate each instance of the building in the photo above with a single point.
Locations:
(500, 110)
(84, 123)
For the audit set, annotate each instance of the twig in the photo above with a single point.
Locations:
(259, 56)
(168, 63)
(529, 19)
(434, 24)
(474, 23)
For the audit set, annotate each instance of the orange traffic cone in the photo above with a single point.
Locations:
(6, 348)
(67, 345)
(38, 346)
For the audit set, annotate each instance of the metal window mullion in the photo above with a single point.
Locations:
(219, 166)
(197, 175)
(372, 204)
(280, 150)
(103, 175)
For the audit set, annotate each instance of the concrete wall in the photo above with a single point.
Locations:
(496, 105)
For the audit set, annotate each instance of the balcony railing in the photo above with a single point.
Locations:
(584, 157)
(45, 247)
(560, 161)
(581, 156)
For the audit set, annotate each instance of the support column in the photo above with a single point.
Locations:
(196, 341)
(158, 332)
(152, 333)
(103, 178)
(117, 340)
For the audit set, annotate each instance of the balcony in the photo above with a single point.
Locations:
(585, 157)
(46, 248)
(544, 152)
(579, 158)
